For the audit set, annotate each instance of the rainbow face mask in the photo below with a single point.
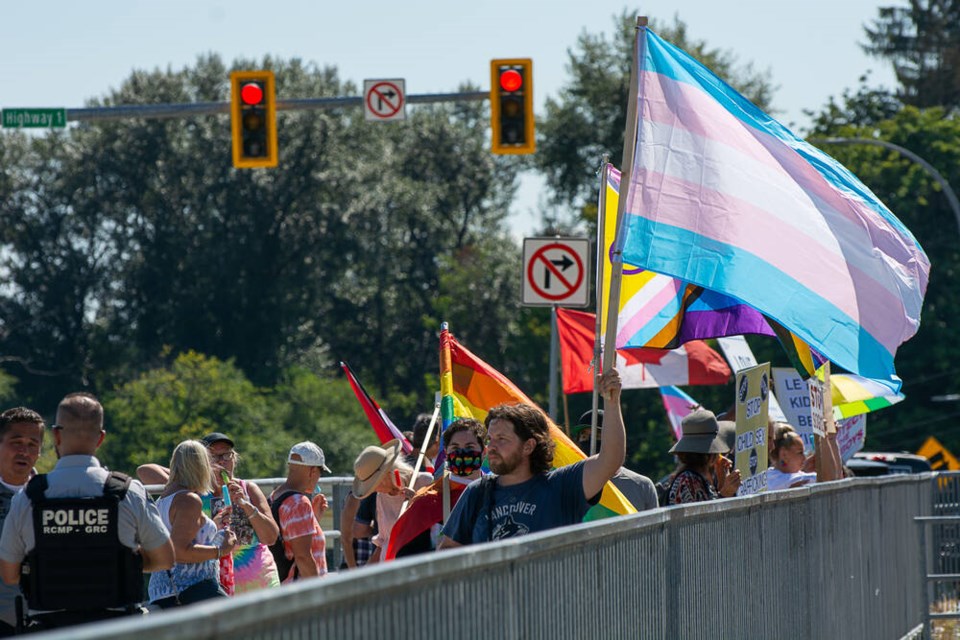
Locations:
(463, 462)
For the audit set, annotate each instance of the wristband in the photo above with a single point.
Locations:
(219, 551)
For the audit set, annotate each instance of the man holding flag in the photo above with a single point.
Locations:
(523, 495)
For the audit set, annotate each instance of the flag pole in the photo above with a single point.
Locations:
(601, 257)
(554, 357)
(626, 169)
(423, 453)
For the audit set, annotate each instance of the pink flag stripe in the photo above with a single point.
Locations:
(769, 167)
(851, 291)
(663, 290)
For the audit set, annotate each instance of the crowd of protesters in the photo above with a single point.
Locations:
(210, 534)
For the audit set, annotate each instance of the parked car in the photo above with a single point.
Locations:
(866, 468)
(870, 463)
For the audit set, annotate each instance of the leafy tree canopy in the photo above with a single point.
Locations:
(588, 118)
(922, 41)
(197, 394)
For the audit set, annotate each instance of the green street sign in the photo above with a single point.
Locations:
(34, 118)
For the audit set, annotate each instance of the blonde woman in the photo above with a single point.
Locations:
(789, 461)
(197, 544)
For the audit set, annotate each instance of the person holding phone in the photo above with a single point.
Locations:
(251, 565)
(381, 470)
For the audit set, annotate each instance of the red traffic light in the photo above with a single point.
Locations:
(251, 93)
(511, 80)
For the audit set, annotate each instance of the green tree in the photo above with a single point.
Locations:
(55, 259)
(322, 410)
(7, 384)
(125, 240)
(435, 198)
(588, 118)
(195, 395)
(922, 41)
(864, 107)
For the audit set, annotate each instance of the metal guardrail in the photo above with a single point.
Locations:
(334, 487)
(829, 561)
(940, 551)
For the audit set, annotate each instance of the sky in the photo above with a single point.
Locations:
(60, 53)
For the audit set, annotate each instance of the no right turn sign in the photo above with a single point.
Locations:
(555, 272)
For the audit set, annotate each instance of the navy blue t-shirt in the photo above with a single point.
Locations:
(543, 502)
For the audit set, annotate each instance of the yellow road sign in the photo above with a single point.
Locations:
(940, 459)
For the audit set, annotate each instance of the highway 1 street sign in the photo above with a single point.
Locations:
(34, 118)
(555, 272)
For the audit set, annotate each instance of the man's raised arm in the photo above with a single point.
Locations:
(599, 468)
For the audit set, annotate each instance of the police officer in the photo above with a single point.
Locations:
(21, 435)
(105, 515)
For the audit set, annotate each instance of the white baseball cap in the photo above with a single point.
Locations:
(310, 455)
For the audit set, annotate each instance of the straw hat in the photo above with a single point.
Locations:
(371, 465)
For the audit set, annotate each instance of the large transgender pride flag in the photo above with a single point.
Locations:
(660, 312)
(722, 196)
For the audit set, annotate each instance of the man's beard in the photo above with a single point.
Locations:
(505, 465)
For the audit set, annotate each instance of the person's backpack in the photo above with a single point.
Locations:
(279, 553)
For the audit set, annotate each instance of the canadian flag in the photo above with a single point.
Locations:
(693, 363)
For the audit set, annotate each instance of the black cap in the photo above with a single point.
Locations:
(212, 438)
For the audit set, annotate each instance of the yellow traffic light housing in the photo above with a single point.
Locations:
(511, 106)
(253, 119)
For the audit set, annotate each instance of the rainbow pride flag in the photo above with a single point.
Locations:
(722, 196)
(853, 395)
(469, 387)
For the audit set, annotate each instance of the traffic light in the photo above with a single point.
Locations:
(511, 105)
(253, 119)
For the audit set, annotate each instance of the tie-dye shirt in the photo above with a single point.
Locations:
(252, 563)
(297, 520)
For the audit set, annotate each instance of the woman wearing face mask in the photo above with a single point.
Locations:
(417, 529)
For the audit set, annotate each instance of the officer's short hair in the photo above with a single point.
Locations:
(18, 415)
(190, 466)
(84, 408)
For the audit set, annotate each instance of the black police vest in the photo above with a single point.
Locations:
(79, 563)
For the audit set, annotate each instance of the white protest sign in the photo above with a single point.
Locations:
(815, 385)
(740, 357)
(851, 432)
(792, 390)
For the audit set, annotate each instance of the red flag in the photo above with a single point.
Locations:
(692, 363)
(425, 510)
(385, 429)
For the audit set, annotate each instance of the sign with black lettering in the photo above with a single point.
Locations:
(815, 387)
(752, 403)
(794, 396)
